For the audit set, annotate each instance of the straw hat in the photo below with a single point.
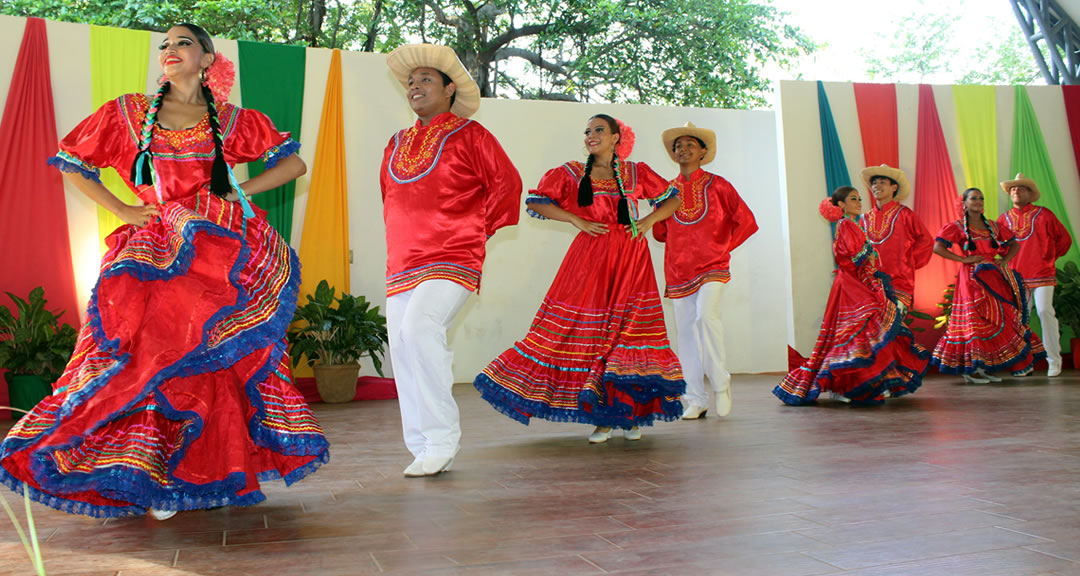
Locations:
(897, 175)
(404, 59)
(1022, 180)
(704, 134)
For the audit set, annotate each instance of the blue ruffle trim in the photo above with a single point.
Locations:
(283, 150)
(66, 165)
(671, 191)
(947, 243)
(619, 415)
(537, 199)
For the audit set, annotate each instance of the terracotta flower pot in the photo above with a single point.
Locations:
(337, 383)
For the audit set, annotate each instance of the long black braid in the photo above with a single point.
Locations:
(624, 203)
(585, 191)
(142, 166)
(219, 174)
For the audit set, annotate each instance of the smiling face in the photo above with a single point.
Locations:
(973, 201)
(427, 95)
(884, 189)
(600, 137)
(689, 151)
(1021, 195)
(181, 55)
(852, 204)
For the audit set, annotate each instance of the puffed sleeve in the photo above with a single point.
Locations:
(502, 184)
(742, 221)
(922, 245)
(850, 244)
(950, 234)
(652, 186)
(558, 186)
(254, 137)
(1061, 236)
(99, 141)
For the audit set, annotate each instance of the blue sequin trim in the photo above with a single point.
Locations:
(276, 153)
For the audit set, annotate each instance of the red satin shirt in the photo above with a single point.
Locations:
(446, 188)
(903, 245)
(712, 221)
(1043, 239)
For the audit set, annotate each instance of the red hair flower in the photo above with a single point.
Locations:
(830, 211)
(626, 140)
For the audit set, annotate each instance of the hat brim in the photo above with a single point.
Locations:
(1026, 182)
(704, 134)
(404, 59)
(897, 175)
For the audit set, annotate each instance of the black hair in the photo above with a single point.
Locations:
(699, 141)
(839, 196)
(446, 81)
(142, 167)
(969, 245)
(585, 189)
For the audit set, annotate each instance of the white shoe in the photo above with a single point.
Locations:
(693, 412)
(1054, 370)
(600, 435)
(839, 398)
(435, 465)
(160, 515)
(416, 469)
(723, 401)
(633, 434)
(987, 376)
(972, 379)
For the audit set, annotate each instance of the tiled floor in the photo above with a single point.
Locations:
(955, 480)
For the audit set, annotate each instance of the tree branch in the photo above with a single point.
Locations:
(373, 28)
(441, 16)
(533, 58)
(509, 36)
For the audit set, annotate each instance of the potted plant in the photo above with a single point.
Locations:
(1067, 304)
(34, 348)
(335, 338)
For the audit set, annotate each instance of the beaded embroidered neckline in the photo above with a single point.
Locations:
(879, 224)
(695, 202)
(417, 149)
(1022, 222)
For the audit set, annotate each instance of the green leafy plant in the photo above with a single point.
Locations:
(913, 315)
(1067, 296)
(341, 334)
(32, 341)
(946, 306)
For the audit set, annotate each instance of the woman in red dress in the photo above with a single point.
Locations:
(864, 353)
(597, 351)
(179, 394)
(988, 326)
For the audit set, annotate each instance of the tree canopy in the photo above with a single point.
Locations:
(710, 53)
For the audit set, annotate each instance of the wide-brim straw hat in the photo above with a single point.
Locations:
(897, 175)
(704, 134)
(404, 59)
(1022, 180)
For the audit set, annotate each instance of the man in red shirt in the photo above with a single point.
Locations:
(902, 242)
(1043, 239)
(447, 186)
(711, 222)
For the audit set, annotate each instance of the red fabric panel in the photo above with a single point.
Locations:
(34, 249)
(1072, 112)
(876, 104)
(794, 359)
(367, 388)
(937, 202)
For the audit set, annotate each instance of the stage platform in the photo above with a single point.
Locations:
(955, 480)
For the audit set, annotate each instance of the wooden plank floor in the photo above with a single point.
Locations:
(955, 480)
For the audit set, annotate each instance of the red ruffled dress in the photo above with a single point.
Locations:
(864, 351)
(179, 394)
(988, 325)
(597, 351)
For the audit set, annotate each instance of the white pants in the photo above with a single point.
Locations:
(417, 322)
(1042, 297)
(701, 342)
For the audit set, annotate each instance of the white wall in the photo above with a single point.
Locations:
(522, 260)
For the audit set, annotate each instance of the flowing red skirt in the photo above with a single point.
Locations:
(179, 393)
(597, 351)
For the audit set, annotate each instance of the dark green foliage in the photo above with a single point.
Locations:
(1067, 297)
(32, 341)
(341, 334)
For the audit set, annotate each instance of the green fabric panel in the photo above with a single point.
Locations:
(272, 82)
(976, 118)
(119, 61)
(1029, 155)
